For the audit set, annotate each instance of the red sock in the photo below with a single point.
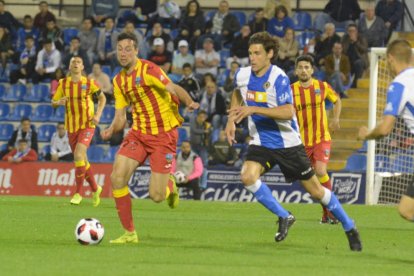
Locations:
(89, 177)
(326, 182)
(124, 207)
(79, 175)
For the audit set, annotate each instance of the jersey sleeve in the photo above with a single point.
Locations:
(330, 93)
(120, 100)
(283, 90)
(59, 91)
(156, 77)
(395, 102)
(94, 87)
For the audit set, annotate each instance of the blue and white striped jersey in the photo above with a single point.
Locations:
(400, 98)
(270, 90)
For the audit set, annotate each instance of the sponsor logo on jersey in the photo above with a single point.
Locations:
(283, 98)
(255, 96)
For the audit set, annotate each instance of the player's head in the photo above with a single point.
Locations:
(263, 49)
(76, 65)
(399, 55)
(304, 67)
(186, 147)
(127, 49)
(22, 145)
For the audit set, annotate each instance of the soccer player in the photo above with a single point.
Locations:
(154, 100)
(264, 96)
(75, 93)
(309, 101)
(400, 102)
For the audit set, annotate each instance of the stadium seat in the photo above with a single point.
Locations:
(107, 70)
(403, 164)
(4, 111)
(382, 163)
(68, 34)
(356, 163)
(241, 17)
(174, 33)
(96, 154)
(44, 151)
(110, 156)
(45, 132)
(20, 110)
(209, 15)
(15, 93)
(224, 55)
(6, 131)
(59, 114)
(3, 90)
(38, 93)
(108, 114)
(42, 113)
(182, 135)
(302, 20)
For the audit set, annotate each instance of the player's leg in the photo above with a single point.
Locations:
(406, 206)
(79, 156)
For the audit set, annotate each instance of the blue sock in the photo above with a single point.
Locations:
(265, 197)
(336, 209)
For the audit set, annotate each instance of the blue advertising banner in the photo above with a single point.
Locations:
(225, 185)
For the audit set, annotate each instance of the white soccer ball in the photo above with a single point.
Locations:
(179, 177)
(89, 231)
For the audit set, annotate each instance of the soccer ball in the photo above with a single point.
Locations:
(89, 231)
(179, 177)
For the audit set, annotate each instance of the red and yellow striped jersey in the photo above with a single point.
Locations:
(310, 110)
(154, 109)
(79, 104)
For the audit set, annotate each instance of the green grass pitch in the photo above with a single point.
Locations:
(199, 238)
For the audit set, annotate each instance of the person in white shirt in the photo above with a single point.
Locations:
(48, 60)
(207, 59)
(59, 145)
(182, 57)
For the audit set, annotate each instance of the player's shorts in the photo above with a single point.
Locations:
(83, 136)
(410, 189)
(319, 152)
(293, 162)
(160, 148)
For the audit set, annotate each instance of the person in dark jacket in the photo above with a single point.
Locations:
(223, 24)
(192, 24)
(372, 28)
(259, 22)
(212, 101)
(325, 42)
(239, 50)
(8, 20)
(391, 11)
(43, 16)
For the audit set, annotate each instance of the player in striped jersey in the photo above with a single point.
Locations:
(309, 100)
(264, 96)
(154, 99)
(400, 103)
(75, 93)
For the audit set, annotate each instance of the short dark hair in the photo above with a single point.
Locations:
(132, 37)
(258, 10)
(282, 9)
(43, 2)
(21, 140)
(268, 42)
(75, 38)
(51, 20)
(27, 16)
(352, 25)
(29, 37)
(47, 41)
(202, 112)
(187, 65)
(60, 123)
(24, 119)
(186, 141)
(307, 58)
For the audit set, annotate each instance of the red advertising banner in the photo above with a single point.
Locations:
(49, 179)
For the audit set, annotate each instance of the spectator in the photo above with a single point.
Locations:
(182, 57)
(372, 27)
(169, 13)
(229, 81)
(103, 80)
(271, 5)
(280, 22)
(207, 77)
(259, 23)
(21, 153)
(146, 11)
(59, 145)
(158, 32)
(288, 51)
(27, 62)
(53, 33)
(26, 132)
(200, 131)
(391, 11)
(6, 49)
(189, 163)
(325, 42)
(107, 43)
(143, 50)
(223, 25)
(239, 50)
(339, 12)
(356, 48)
(190, 83)
(102, 9)
(48, 60)
(54, 83)
(160, 55)
(43, 16)
(75, 50)
(8, 21)
(88, 39)
(27, 30)
(212, 101)
(221, 152)
(192, 24)
(338, 69)
(207, 59)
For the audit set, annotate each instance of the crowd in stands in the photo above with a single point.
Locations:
(200, 50)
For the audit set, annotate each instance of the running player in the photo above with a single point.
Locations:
(400, 103)
(264, 96)
(154, 100)
(75, 93)
(309, 100)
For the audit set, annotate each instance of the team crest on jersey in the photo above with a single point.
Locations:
(266, 85)
(317, 91)
(137, 80)
(327, 152)
(169, 158)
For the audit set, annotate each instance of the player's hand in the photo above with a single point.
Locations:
(334, 125)
(96, 118)
(362, 133)
(240, 112)
(106, 134)
(193, 106)
(231, 133)
(62, 101)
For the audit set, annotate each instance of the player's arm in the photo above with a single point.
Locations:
(236, 101)
(333, 97)
(182, 95)
(384, 128)
(59, 99)
(101, 105)
(118, 124)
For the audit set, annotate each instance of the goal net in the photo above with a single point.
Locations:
(390, 164)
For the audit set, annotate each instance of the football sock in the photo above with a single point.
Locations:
(170, 187)
(89, 177)
(332, 203)
(79, 174)
(326, 182)
(124, 207)
(265, 197)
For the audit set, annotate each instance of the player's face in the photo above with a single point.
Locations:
(126, 53)
(76, 65)
(304, 71)
(259, 59)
